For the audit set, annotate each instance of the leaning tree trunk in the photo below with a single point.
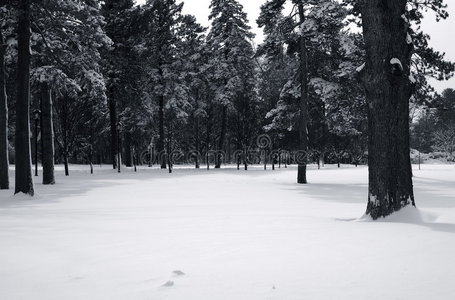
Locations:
(4, 166)
(66, 163)
(386, 78)
(222, 137)
(47, 135)
(24, 179)
(304, 115)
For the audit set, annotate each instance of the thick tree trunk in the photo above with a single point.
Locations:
(222, 137)
(160, 145)
(47, 135)
(113, 123)
(4, 164)
(304, 115)
(24, 179)
(388, 90)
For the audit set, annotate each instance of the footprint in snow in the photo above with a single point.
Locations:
(168, 284)
(178, 273)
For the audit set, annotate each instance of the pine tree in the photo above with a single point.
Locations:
(160, 21)
(116, 61)
(388, 90)
(231, 60)
(394, 46)
(67, 75)
(192, 62)
(313, 38)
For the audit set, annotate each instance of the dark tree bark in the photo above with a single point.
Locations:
(222, 137)
(4, 164)
(197, 137)
(65, 162)
(113, 123)
(161, 145)
(245, 158)
(207, 136)
(388, 90)
(47, 135)
(304, 115)
(128, 151)
(24, 179)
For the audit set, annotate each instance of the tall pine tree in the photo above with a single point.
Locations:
(231, 63)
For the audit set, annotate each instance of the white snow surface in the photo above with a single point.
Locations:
(226, 234)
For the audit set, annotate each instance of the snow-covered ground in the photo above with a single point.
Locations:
(225, 234)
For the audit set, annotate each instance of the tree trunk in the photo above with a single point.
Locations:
(24, 179)
(321, 159)
(197, 142)
(304, 115)
(113, 123)
(47, 135)
(207, 139)
(222, 137)
(4, 164)
(245, 158)
(128, 151)
(388, 90)
(160, 144)
(90, 157)
(65, 162)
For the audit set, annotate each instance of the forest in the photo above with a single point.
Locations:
(113, 82)
(301, 150)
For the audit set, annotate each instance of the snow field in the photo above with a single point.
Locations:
(225, 234)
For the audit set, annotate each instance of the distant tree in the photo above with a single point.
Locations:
(444, 141)
(445, 108)
(422, 131)
(435, 118)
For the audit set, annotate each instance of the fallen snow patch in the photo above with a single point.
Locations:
(359, 69)
(396, 61)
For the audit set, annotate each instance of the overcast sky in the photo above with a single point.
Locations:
(440, 32)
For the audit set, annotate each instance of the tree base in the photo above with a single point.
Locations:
(376, 211)
(301, 174)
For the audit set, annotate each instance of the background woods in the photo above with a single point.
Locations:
(118, 83)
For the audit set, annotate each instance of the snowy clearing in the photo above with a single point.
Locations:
(225, 234)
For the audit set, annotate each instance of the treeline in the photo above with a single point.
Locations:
(113, 79)
(433, 132)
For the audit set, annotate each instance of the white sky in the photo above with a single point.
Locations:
(440, 32)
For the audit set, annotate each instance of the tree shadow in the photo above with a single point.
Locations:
(429, 193)
(81, 182)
